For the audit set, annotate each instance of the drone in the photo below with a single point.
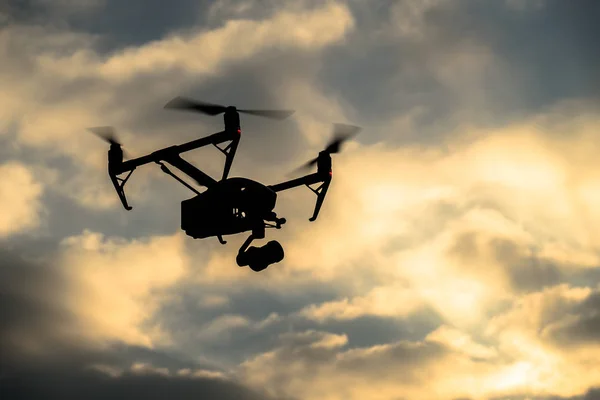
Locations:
(231, 205)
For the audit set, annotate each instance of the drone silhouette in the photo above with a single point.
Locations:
(231, 205)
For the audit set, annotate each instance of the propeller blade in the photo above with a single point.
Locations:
(106, 133)
(341, 133)
(303, 167)
(273, 114)
(182, 103)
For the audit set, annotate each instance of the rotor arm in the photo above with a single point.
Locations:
(200, 177)
(304, 180)
(171, 155)
(215, 138)
(116, 165)
(160, 155)
(308, 180)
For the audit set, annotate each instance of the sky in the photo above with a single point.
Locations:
(455, 256)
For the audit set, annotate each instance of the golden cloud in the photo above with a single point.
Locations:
(412, 370)
(204, 52)
(115, 285)
(385, 301)
(20, 198)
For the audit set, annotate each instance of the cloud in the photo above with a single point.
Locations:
(32, 298)
(579, 326)
(20, 197)
(385, 301)
(408, 16)
(139, 384)
(533, 329)
(218, 46)
(116, 284)
(524, 5)
(460, 341)
(44, 354)
(455, 254)
(93, 292)
(447, 364)
(403, 369)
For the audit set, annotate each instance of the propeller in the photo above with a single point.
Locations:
(108, 134)
(341, 133)
(182, 103)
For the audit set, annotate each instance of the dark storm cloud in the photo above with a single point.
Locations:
(122, 24)
(32, 309)
(556, 50)
(25, 287)
(402, 360)
(139, 21)
(591, 394)
(579, 325)
(548, 55)
(186, 315)
(135, 22)
(26, 11)
(269, 314)
(526, 272)
(367, 331)
(67, 385)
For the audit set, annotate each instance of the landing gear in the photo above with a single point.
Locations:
(259, 258)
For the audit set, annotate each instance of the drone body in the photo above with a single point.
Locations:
(231, 205)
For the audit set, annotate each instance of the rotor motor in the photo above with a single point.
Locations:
(324, 163)
(231, 118)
